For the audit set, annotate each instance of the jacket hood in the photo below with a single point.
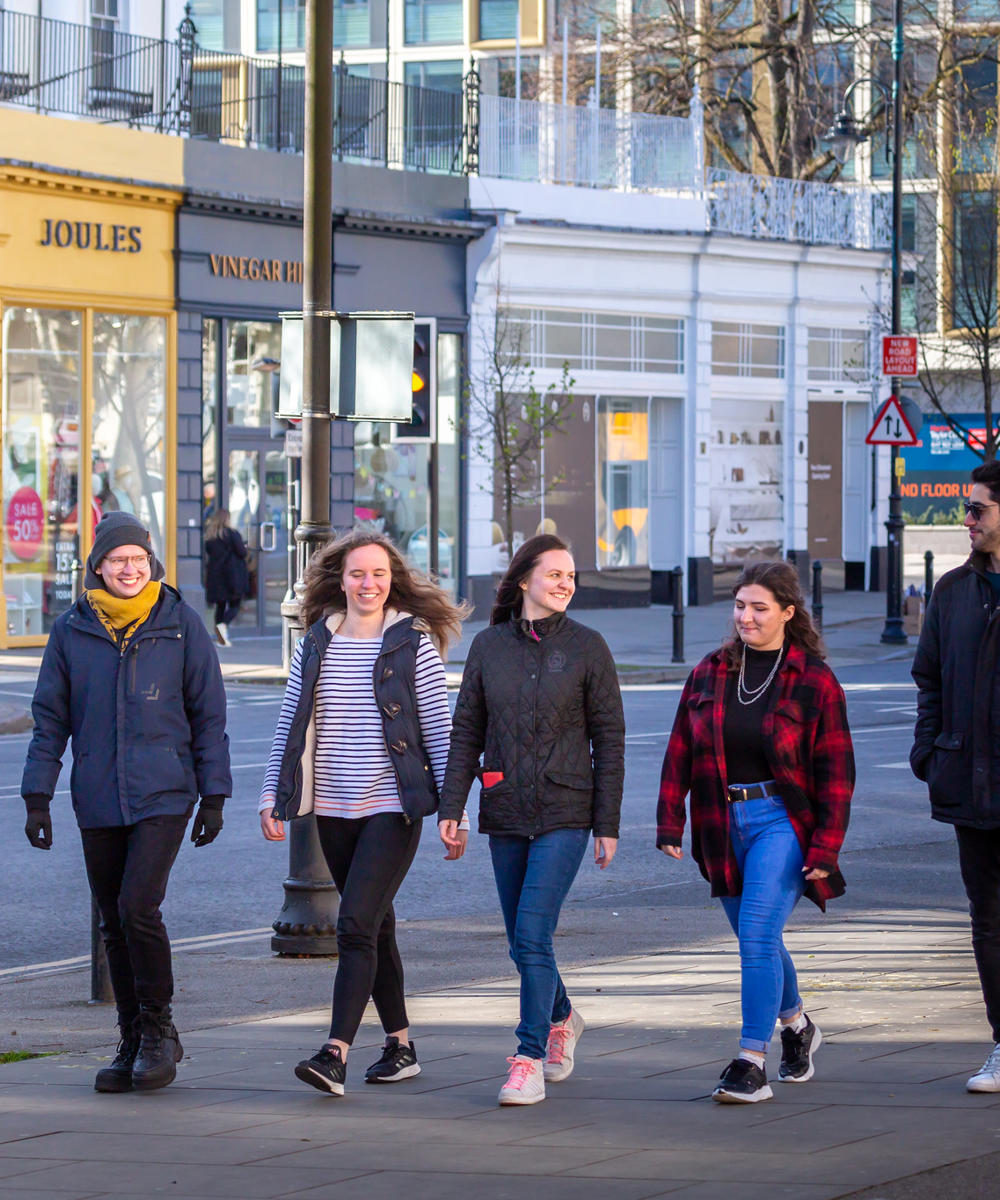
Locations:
(393, 616)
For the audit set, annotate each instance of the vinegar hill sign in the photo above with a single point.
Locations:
(274, 270)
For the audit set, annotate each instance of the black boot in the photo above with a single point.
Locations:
(159, 1050)
(117, 1076)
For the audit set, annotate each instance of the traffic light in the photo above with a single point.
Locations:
(422, 424)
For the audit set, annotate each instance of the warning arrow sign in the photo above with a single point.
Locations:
(891, 428)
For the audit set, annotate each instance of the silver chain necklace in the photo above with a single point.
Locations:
(741, 687)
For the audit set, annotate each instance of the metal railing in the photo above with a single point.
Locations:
(794, 210)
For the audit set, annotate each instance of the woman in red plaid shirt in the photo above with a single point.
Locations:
(761, 743)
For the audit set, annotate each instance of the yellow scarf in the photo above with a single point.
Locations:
(122, 616)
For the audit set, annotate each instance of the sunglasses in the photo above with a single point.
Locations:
(976, 510)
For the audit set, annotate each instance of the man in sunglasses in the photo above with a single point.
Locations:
(956, 747)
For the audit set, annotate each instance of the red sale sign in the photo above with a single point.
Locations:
(25, 523)
(899, 356)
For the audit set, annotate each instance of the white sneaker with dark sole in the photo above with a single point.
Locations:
(325, 1071)
(742, 1082)
(797, 1050)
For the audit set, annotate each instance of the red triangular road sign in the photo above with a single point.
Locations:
(891, 428)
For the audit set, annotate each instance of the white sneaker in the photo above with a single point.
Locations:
(525, 1082)
(561, 1048)
(987, 1078)
(222, 633)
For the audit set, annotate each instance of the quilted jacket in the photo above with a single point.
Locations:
(808, 746)
(546, 711)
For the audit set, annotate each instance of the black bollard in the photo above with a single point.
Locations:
(678, 619)
(100, 976)
(928, 576)
(817, 606)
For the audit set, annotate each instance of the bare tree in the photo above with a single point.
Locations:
(509, 419)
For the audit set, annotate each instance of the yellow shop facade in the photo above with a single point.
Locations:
(87, 379)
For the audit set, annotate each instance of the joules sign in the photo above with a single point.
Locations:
(91, 235)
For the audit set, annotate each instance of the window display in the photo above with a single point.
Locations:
(745, 498)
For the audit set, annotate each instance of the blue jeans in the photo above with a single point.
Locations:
(770, 862)
(533, 877)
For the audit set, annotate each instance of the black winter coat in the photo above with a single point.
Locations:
(148, 725)
(394, 685)
(958, 718)
(227, 577)
(548, 714)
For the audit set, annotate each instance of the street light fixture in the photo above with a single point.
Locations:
(845, 134)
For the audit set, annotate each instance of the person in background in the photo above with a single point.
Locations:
(361, 742)
(129, 674)
(227, 576)
(540, 703)
(761, 742)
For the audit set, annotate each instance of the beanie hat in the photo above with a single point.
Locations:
(113, 530)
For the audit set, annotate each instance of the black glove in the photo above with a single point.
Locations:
(38, 826)
(207, 820)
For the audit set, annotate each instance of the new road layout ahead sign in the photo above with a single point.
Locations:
(891, 428)
(899, 356)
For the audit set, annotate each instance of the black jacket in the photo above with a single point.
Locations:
(227, 576)
(394, 682)
(957, 735)
(148, 723)
(548, 714)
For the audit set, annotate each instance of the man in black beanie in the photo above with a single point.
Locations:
(131, 676)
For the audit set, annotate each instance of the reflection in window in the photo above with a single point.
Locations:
(253, 355)
(41, 372)
(432, 21)
(128, 450)
(748, 350)
(974, 260)
(745, 494)
(390, 490)
(351, 23)
(209, 416)
(449, 454)
(623, 477)
(597, 341)
(292, 34)
(838, 354)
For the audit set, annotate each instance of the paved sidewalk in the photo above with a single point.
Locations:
(894, 992)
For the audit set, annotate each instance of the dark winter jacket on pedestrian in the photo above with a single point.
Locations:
(809, 752)
(394, 683)
(148, 724)
(547, 713)
(956, 743)
(227, 576)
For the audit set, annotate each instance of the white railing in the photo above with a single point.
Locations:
(794, 210)
(588, 147)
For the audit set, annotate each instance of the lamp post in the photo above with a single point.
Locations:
(845, 134)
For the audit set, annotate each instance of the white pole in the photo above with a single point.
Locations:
(565, 95)
(517, 88)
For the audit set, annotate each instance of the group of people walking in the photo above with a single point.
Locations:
(760, 755)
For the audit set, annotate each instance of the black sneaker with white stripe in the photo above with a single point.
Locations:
(397, 1062)
(742, 1082)
(325, 1070)
(797, 1050)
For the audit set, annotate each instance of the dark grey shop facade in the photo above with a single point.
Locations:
(399, 243)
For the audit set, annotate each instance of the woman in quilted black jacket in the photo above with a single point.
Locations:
(540, 704)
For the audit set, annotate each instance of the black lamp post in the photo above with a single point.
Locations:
(845, 134)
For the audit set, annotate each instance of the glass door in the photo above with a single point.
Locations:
(257, 485)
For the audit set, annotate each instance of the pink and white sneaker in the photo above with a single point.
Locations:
(525, 1081)
(561, 1048)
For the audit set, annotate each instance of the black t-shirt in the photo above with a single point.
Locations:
(994, 580)
(742, 736)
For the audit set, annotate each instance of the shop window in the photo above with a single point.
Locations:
(128, 447)
(838, 355)
(281, 22)
(42, 399)
(449, 457)
(596, 341)
(745, 505)
(210, 440)
(429, 22)
(623, 476)
(253, 354)
(750, 351)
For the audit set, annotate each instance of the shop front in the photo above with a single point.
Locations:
(87, 381)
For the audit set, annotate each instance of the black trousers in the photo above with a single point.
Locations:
(368, 859)
(128, 867)
(979, 858)
(226, 610)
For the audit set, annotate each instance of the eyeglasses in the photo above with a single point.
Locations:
(138, 561)
(975, 510)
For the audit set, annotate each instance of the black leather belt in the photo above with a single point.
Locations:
(751, 791)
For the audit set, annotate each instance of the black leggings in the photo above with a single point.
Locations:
(368, 858)
(226, 610)
(979, 857)
(128, 867)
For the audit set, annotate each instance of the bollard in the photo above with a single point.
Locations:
(817, 605)
(928, 576)
(100, 976)
(678, 619)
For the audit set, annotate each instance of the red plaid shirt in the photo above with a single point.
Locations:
(808, 747)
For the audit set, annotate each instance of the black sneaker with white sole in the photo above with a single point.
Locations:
(397, 1062)
(325, 1071)
(742, 1082)
(797, 1050)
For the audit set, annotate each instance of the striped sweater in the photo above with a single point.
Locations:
(354, 776)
